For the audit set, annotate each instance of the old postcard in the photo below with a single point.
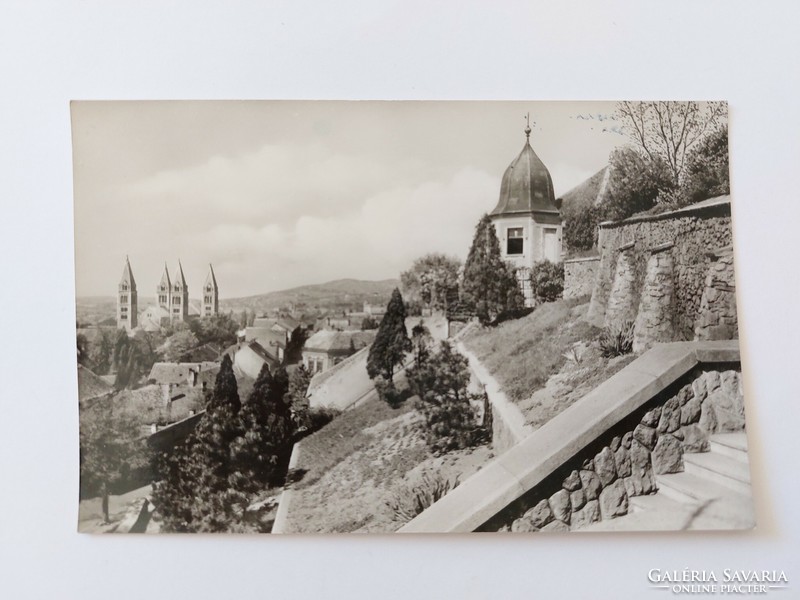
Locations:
(331, 317)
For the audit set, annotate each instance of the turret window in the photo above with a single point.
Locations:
(514, 241)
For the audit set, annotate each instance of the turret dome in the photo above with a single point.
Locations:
(527, 186)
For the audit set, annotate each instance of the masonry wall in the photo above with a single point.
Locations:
(696, 235)
(579, 276)
(599, 482)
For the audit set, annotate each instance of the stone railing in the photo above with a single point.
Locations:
(585, 463)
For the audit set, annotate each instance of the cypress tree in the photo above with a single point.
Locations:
(391, 342)
(489, 285)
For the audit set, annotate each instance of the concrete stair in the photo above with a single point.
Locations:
(712, 493)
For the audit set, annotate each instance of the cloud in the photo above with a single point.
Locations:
(379, 240)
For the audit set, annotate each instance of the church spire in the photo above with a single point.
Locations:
(528, 128)
(210, 294)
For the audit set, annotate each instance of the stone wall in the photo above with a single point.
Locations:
(626, 247)
(598, 483)
(579, 274)
(718, 319)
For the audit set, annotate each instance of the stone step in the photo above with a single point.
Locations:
(663, 514)
(654, 502)
(719, 469)
(733, 445)
(689, 488)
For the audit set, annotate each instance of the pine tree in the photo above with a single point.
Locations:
(198, 491)
(266, 441)
(489, 285)
(391, 342)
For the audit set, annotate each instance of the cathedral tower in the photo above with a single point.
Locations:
(210, 294)
(164, 291)
(526, 219)
(180, 297)
(127, 300)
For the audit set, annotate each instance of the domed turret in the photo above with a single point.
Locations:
(527, 186)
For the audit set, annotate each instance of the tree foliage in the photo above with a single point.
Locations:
(219, 329)
(668, 131)
(635, 183)
(391, 342)
(179, 344)
(707, 172)
(369, 322)
(236, 450)
(547, 280)
(432, 280)
(294, 347)
(110, 450)
(489, 285)
(580, 228)
(133, 357)
(441, 382)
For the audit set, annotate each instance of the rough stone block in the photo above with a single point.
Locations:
(668, 455)
(591, 484)
(522, 525)
(712, 380)
(540, 515)
(640, 455)
(728, 420)
(633, 486)
(622, 459)
(614, 500)
(708, 417)
(615, 443)
(572, 482)
(651, 417)
(670, 417)
(604, 466)
(555, 526)
(645, 435)
(577, 499)
(627, 439)
(694, 439)
(690, 413)
(560, 505)
(589, 514)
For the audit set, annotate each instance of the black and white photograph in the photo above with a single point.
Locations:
(414, 317)
(459, 300)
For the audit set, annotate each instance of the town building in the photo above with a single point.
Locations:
(527, 219)
(326, 348)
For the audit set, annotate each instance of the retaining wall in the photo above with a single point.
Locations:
(694, 235)
(579, 276)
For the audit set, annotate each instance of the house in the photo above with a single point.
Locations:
(249, 357)
(175, 378)
(327, 348)
(273, 340)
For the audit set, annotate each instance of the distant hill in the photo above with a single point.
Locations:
(586, 194)
(333, 295)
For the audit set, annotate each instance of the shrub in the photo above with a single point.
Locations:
(617, 340)
(410, 501)
(580, 228)
(441, 383)
(547, 280)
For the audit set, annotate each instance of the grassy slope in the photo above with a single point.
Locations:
(361, 460)
(524, 353)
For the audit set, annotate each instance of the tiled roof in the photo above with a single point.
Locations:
(178, 373)
(90, 385)
(339, 341)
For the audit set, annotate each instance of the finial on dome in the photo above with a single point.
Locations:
(528, 126)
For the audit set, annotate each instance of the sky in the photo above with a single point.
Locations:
(278, 194)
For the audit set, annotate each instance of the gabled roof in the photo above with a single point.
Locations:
(90, 385)
(266, 336)
(127, 275)
(338, 341)
(178, 373)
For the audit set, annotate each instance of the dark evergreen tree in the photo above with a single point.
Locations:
(391, 342)
(489, 285)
